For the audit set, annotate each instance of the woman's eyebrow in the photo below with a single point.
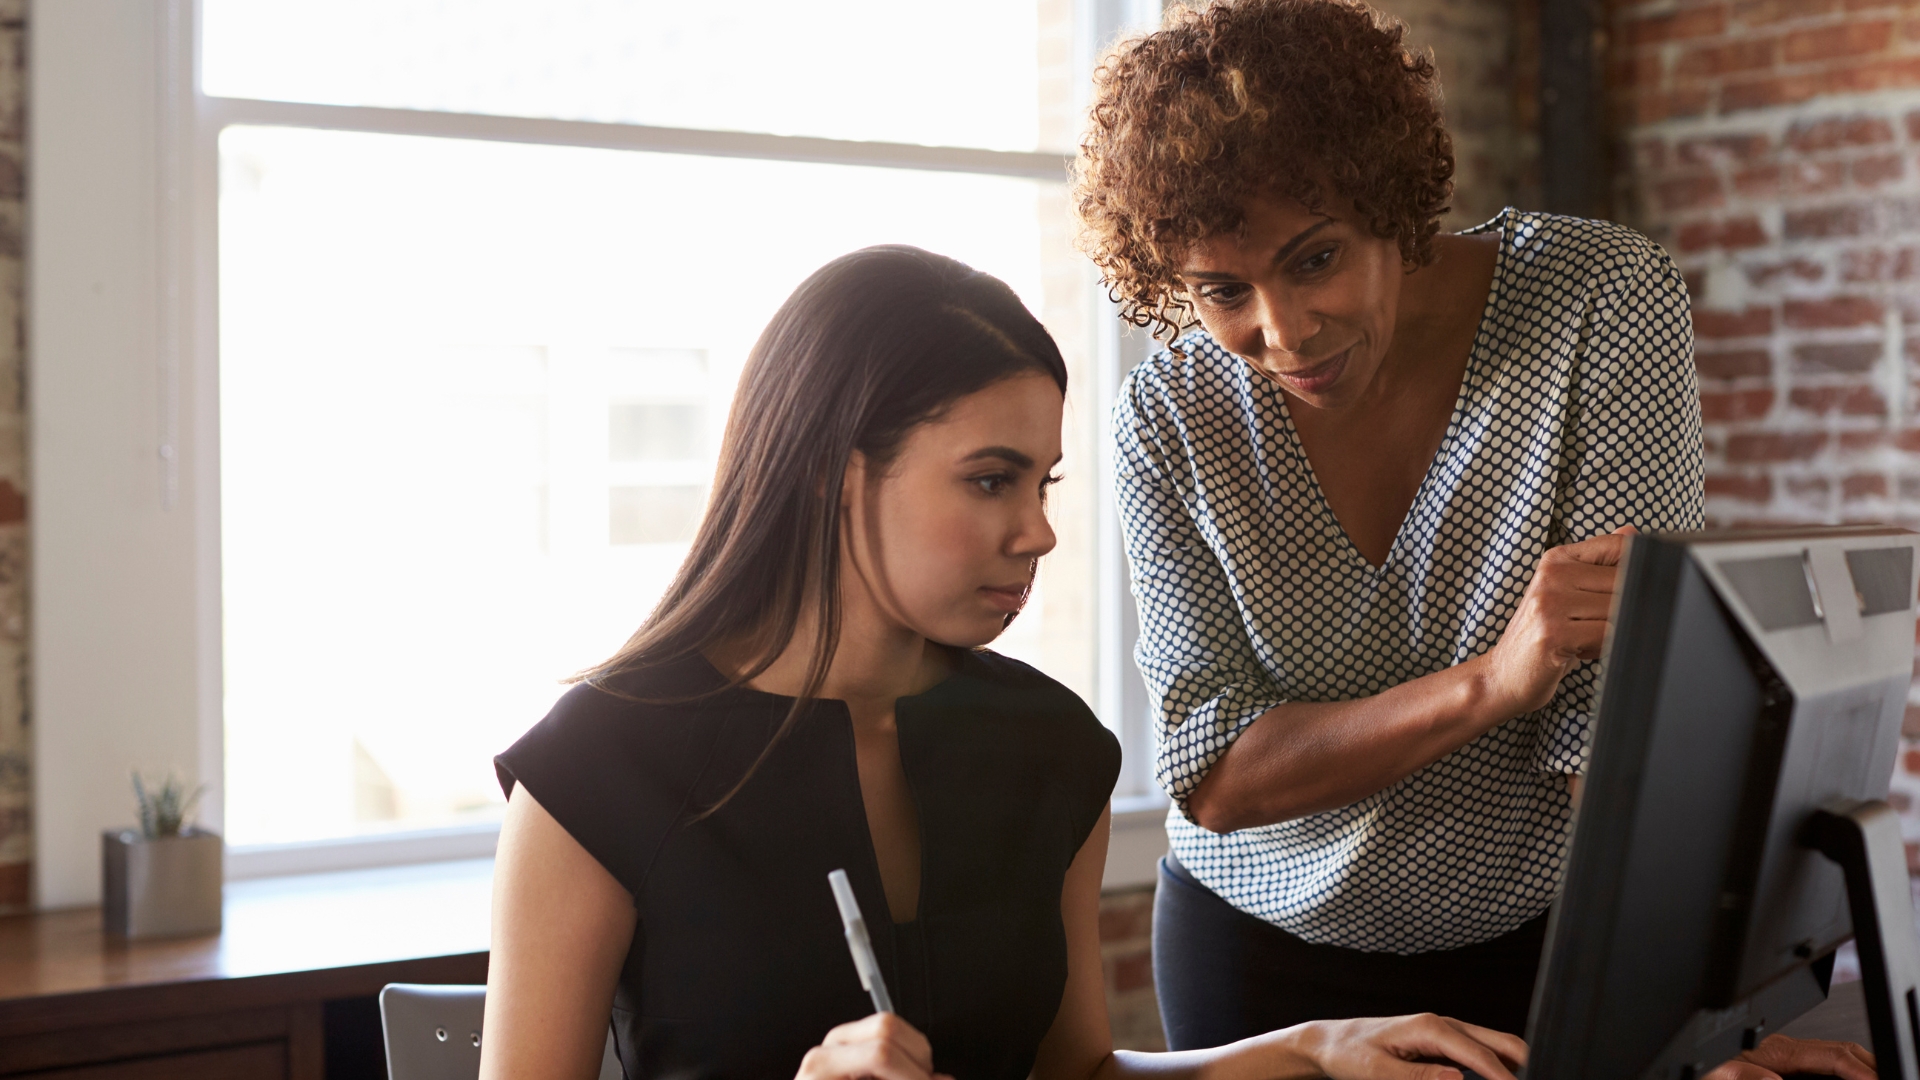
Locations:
(1286, 249)
(1004, 453)
(1305, 235)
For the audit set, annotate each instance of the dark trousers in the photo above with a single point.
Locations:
(1224, 975)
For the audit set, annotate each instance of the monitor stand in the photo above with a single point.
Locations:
(1864, 838)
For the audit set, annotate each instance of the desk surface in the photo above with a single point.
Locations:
(307, 936)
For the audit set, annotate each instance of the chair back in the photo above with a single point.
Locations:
(433, 1033)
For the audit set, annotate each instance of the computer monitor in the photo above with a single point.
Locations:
(1753, 689)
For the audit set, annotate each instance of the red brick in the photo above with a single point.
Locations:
(1651, 108)
(1809, 488)
(1814, 177)
(1721, 407)
(1712, 61)
(1133, 972)
(1689, 192)
(1879, 264)
(1767, 446)
(1753, 489)
(1913, 859)
(1759, 182)
(1643, 67)
(1863, 486)
(1878, 169)
(1883, 74)
(1720, 149)
(1855, 78)
(1847, 357)
(1849, 401)
(1838, 42)
(1765, 12)
(13, 505)
(1833, 312)
(1733, 234)
(1732, 363)
(1847, 219)
(1834, 132)
(1748, 322)
(1766, 273)
(1697, 23)
(1855, 442)
(1910, 722)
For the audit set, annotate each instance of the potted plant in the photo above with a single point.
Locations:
(163, 879)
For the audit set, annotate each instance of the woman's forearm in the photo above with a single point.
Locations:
(1304, 757)
(1359, 1049)
(1274, 1056)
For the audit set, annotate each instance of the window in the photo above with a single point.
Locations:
(450, 303)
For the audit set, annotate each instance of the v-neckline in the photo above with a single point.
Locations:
(1499, 223)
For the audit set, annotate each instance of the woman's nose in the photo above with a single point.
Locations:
(1036, 536)
(1284, 327)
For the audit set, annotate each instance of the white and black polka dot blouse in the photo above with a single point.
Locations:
(1579, 413)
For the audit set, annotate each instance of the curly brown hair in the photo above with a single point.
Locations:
(1300, 98)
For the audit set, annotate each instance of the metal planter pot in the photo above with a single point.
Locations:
(168, 886)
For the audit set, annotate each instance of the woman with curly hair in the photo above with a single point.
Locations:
(1373, 501)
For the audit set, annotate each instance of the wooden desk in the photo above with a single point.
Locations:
(283, 992)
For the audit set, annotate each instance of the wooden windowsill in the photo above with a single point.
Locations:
(306, 938)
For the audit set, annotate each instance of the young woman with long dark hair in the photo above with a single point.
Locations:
(810, 695)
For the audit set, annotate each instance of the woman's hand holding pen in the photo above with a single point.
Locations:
(882, 1046)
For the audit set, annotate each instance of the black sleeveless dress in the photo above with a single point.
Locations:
(738, 965)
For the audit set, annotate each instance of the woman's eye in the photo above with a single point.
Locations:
(1316, 262)
(993, 485)
(1220, 294)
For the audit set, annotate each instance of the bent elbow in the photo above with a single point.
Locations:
(1214, 810)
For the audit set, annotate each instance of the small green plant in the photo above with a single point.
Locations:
(164, 810)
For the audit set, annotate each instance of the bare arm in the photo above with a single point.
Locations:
(1079, 1046)
(1304, 757)
(561, 929)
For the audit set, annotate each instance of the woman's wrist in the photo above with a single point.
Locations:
(1287, 1054)
(1481, 699)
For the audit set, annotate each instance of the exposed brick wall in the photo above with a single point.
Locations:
(15, 793)
(1126, 954)
(1771, 146)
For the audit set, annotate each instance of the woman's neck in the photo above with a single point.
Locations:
(875, 662)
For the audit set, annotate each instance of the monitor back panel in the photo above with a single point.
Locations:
(1689, 915)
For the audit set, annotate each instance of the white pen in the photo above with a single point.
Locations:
(858, 943)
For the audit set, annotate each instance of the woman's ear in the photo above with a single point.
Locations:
(854, 480)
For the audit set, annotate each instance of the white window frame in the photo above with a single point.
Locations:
(122, 275)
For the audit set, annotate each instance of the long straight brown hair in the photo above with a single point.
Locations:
(869, 346)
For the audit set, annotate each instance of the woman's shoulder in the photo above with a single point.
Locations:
(1013, 687)
(652, 712)
(1578, 259)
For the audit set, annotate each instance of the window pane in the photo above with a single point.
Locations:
(987, 73)
(471, 398)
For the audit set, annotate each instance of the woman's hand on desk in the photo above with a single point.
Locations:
(1779, 1056)
(882, 1046)
(1561, 620)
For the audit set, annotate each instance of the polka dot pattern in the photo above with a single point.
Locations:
(1579, 413)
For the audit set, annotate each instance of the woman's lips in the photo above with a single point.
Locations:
(1320, 376)
(1008, 598)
